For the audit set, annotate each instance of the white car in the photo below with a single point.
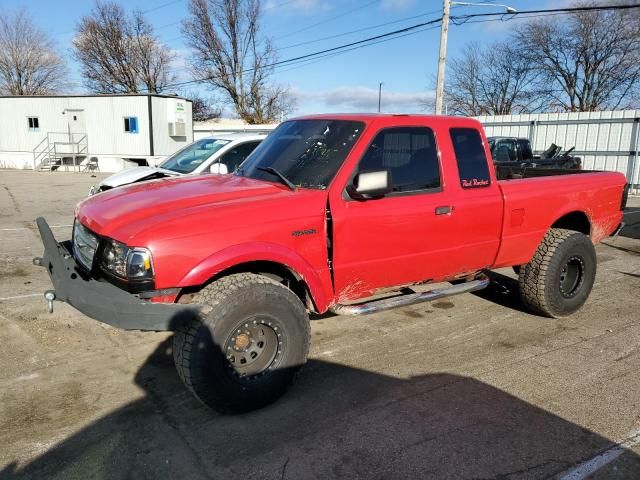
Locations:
(219, 154)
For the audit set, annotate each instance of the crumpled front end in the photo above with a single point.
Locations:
(98, 299)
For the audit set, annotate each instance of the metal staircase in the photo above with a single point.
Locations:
(60, 150)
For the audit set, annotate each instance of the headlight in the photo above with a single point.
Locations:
(85, 244)
(127, 263)
(139, 264)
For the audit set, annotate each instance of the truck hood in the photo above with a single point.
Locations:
(124, 212)
(136, 174)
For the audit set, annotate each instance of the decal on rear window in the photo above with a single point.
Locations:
(470, 156)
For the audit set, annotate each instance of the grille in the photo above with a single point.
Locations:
(85, 244)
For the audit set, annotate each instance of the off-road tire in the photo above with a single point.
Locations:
(229, 304)
(543, 282)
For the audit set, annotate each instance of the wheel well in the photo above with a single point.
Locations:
(577, 221)
(278, 272)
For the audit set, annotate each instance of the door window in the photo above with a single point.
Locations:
(470, 156)
(193, 155)
(234, 157)
(410, 154)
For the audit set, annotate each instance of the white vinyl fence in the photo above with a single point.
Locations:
(607, 140)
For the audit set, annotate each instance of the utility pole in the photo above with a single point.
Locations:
(444, 32)
(379, 96)
(442, 58)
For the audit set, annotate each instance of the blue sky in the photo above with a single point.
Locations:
(346, 82)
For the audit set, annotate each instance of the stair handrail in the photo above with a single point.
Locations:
(37, 155)
(48, 146)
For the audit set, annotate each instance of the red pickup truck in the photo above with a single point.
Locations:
(348, 213)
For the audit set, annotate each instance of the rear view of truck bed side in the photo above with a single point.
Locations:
(587, 202)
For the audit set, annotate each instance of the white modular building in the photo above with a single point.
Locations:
(105, 132)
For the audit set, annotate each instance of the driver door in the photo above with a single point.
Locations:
(403, 237)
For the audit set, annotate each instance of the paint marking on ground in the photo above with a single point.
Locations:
(588, 467)
(17, 297)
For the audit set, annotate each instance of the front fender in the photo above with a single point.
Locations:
(318, 281)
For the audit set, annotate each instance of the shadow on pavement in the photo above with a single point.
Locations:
(503, 291)
(336, 422)
(632, 223)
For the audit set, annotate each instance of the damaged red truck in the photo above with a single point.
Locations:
(348, 213)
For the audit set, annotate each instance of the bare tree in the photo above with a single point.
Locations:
(120, 53)
(230, 53)
(203, 108)
(588, 61)
(494, 80)
(462, 85)
(29, 62)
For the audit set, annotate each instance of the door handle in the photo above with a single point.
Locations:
(444, 210)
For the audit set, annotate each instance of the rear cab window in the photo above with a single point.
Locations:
(473, 167)
(410, 154)
(525, 148)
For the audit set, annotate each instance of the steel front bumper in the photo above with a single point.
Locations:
(103, 301)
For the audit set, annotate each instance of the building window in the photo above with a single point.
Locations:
(34, 124)
(131, 124)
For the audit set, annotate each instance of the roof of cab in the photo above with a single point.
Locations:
(238, 135)
(388, 117)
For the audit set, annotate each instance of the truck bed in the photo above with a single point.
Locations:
(504, 172)
(535, 199)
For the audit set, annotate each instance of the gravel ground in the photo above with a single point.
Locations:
(470, 387)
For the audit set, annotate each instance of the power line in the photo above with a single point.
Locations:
(304, 63)
(320, 52)
(278, 5)
(372, 27)
(548, 10)
(396, 33)
(149, 10)
(459, 23)
(309, 27)
(167, 25)
(343, 34)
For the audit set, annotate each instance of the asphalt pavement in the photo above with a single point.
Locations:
(469, 387)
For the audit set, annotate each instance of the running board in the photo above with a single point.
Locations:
(410, 298)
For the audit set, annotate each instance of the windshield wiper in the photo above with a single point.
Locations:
(275, 172)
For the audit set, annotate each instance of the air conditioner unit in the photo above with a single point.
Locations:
(177, 129)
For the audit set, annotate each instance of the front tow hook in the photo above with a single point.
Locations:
(50, 296)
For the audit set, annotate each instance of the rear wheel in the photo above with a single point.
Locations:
(559, 277)
(245, 348)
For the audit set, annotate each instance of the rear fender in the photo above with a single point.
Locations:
(319, 284)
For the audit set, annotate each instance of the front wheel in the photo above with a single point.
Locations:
(559, 277)
(245, 348)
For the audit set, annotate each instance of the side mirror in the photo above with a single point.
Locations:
(219, 168)
(369, 185)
